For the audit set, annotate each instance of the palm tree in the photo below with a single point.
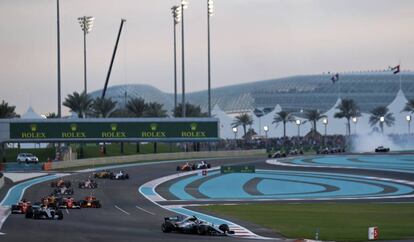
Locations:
(409, 106)
(313, 116)
(7, 111)
(81, 104)
(283, 117)
(381, 115)
(136, 106)
(243, 119)
(154, 109)
(103, 107)
(190, 111)
(347, 109)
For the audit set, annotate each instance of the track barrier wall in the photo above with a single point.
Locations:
(153, 157)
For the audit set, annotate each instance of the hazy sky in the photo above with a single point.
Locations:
(251, 40)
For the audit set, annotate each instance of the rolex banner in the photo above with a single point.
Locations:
(114, 130)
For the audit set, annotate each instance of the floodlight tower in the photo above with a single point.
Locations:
(210, 11)
(86, 23)
(176, 12)
(184, 5)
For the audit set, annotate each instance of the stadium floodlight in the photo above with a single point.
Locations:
(382, 119)
(266, 128)
(210, 7)
(176, 12)
(86, 23)
(184, 4)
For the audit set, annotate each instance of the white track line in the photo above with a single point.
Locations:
(120, 209)
(67, 211)
(155, 198)
(145, 210)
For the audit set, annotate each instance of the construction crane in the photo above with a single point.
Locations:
(113, 58)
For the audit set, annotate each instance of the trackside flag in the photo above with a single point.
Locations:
(396, 69)
(335, 78)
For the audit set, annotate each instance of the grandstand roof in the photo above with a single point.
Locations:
(368, 89)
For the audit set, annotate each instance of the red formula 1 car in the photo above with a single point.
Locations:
(90, 202)
(22, 207)
(69, 203)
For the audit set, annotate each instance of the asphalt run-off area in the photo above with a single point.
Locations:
(136, 207)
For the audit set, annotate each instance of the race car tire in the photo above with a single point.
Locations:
(29, 213)
(80, 185)
(98, 205)
(224, 227)
(166, 227)
(59, 214)
(178, 168)
(208, 166)
(202, 230)
(36, 215)
(14, 208)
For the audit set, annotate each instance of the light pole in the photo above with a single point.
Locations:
(176, 11)
(382, 119)
(210, 11)
(298, 122)
(266, 129)
(58, 60)
(355, 120)
(325, 122)
(184, 5)
(408, 118)
(86, 23)
(235, 132)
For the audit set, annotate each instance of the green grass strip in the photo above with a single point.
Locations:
(338, 222)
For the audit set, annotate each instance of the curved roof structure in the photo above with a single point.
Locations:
(121, 94)
(368, 89)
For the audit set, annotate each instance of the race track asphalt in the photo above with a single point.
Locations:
(108, 223)
(128, 216)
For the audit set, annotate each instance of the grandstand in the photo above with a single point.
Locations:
(368, 89)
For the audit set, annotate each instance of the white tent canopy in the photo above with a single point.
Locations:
(31, 114)
(334, 126)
